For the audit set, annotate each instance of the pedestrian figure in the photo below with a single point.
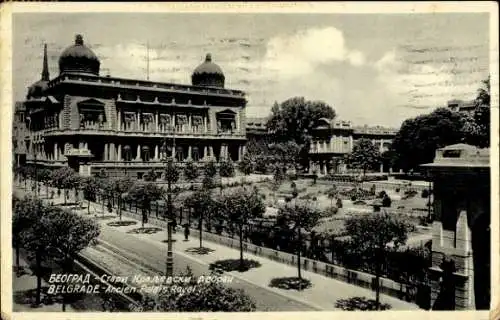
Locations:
(186, 232)
(52, 194)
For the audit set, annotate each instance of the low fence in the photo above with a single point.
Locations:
(358, 278)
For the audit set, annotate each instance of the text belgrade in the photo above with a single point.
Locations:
(57, 289)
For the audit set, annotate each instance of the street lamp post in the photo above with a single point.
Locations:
(170, 260)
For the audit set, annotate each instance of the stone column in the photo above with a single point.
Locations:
(211, 152)
(221, 153)
(190, 156)
(56, 154)
(105, 156)
(138, 156)
(205, 129)
(240, 155)
(156, 147)
(112, 151)
(381, 168)
(119, 153)
(138, 120)
(119, 116)
(205, 151)
(190, 129)
(156, 121)
(173, 153)
(86, 145)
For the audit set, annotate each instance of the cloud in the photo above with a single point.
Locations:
(300, 53)
(417, 85)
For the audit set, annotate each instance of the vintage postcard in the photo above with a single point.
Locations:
(266, 159)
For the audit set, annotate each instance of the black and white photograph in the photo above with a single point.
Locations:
(250, 161)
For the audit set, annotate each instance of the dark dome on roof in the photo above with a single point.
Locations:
(78, 58)
(36, 90)
(208, 74)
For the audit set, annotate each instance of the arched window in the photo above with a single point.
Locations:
(196, 154)
(127, 154)
(145, 153)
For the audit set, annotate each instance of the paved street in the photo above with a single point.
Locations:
(151, 249)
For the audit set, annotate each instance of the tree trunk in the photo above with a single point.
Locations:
(241, 247)
(64, 196)
(38, 261)
(200, 223)
(88, 206)
(298, 255)
(17, 257)
(377, 280)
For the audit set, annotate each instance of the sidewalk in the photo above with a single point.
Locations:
(24, 291)
(323, 293)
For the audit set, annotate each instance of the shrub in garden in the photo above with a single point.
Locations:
(425, 193)
(381, 194)
(290, 283)
(339, 203)
(360, 303)
(234, 265)
(386, 201)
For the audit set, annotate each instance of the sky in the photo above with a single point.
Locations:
(373, 69)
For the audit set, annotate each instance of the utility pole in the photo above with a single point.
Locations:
(170, 215)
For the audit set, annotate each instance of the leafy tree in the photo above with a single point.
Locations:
(418, 138)
(121, 186)
(64, 178)
(364, 155)
(240, 206)
(191, 172)
(90, 187)
(226, 169)
(332, 193)
(25, 213)
(386, 201)
(299, 217)
(38, 240)
(294, 119)
(72, 233)
(144, 194)
(201, 203)
(45, 177)
(371, 236)
(477, 125)
(246, 165)
(150, 176)
(206, 297)
(285, 153)
(210, 169)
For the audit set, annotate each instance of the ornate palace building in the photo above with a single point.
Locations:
(91, 122)
(332, 140)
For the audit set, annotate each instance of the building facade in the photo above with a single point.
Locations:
(460, 272)
(90, 122)
(462, 106)
(332, 140)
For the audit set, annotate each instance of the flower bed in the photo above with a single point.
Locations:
(234, 265)
(360, 304)
(290, 283)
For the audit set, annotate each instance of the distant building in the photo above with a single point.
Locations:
(19, 133)
(462, 106)
(460, 272)
(91, 122)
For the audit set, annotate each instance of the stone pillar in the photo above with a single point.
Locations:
(112, 152)
(190, 156)
(85, 145)
(190, 129)
(381, 168)
(156, 147)
(119, 153)
(156, 122)
(205, 155)
(240, 154)
(119, 124)
(56, 153)
(173, 153)
(138, 120)
(325, 169)
(205, 129)
(106, 156)
(138, 156)
(211, 151)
